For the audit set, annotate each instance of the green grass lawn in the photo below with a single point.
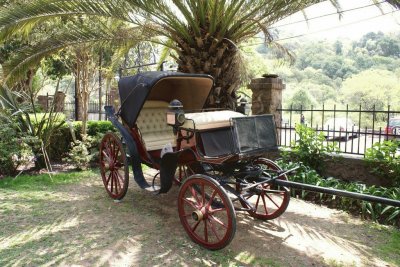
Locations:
(69, 220)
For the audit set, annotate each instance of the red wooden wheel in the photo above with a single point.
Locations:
(206, 212)
(114, 166)
(266, 201)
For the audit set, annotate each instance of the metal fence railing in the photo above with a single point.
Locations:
(95, 111)
(354, 130)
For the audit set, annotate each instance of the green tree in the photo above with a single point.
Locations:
(372, 88)
(301, 99)
(338, 48)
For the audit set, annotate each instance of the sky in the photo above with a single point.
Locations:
(352, 25)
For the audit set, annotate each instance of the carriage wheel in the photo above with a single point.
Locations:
(206, 212)
(267, 201)
(114, 166)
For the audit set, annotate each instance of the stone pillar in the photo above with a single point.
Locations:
(267, 96)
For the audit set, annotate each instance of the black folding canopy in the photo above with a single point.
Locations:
(191, 89)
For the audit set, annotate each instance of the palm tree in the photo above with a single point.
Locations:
(204, 34)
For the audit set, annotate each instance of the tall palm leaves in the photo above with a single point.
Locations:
(204, 34)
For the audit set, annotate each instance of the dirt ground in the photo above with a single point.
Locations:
(79, 225)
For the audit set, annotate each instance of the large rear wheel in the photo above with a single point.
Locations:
(206, 212)
(114, 166)
(266, 201)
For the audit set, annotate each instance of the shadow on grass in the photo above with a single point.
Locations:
(78, 224)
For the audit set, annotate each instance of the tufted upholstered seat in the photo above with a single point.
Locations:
(153, 125)
(210, 120)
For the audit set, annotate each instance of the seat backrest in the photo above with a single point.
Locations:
(152, 117)
(152, 124)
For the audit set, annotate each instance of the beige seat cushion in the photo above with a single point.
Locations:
(210, 120)
(153, 125)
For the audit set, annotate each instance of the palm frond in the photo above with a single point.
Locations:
(30, 56)
(20, 19)
(1, 75)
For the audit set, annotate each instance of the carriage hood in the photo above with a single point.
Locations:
(191, 89)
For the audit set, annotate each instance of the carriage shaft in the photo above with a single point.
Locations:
(342, 193)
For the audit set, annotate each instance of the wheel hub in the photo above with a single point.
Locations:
(111, 166)
(197, 215)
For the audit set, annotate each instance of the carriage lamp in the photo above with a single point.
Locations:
(175, 114)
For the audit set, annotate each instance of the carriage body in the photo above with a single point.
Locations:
(215, 156)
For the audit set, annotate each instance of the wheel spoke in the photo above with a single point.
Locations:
(115, 184)
(117, 181)
(108, 179)
(272, 200)
(212, 211)
(218, 221)
(265, 205)
(193, 204)
(203, 194)
(211, 199)
(106, 155)
(120, 178)
(195, 226)
(112, 183)
(205, 231)
(108, 149)
(116, 152)
(112, 148)
(256, 206)
(194, 194)
(214, 230)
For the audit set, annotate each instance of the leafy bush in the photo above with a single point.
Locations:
(61, 140)
(310, 149)
(375, 211)
(60, 143)
(14, 147)
(102, 127)
(79, 155)
(383, 160)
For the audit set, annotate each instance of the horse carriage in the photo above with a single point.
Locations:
(215, 156)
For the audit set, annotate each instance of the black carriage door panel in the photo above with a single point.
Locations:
(254, 133)
(217, 142)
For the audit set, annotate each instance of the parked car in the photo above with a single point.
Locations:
(340, 128)
(394, 127)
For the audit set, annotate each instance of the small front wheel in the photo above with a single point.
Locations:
(206, 212)
(266, 201)
(114, 166)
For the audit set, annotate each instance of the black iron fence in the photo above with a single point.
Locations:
(95, 111)
(354, 130)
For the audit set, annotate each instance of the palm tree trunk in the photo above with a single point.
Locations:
(218, 59)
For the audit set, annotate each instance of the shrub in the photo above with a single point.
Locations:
(102, 127)
(61, 141)
(375, 211)
(79, 154)
(14, 147)
(384, 160)
(310, 149)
